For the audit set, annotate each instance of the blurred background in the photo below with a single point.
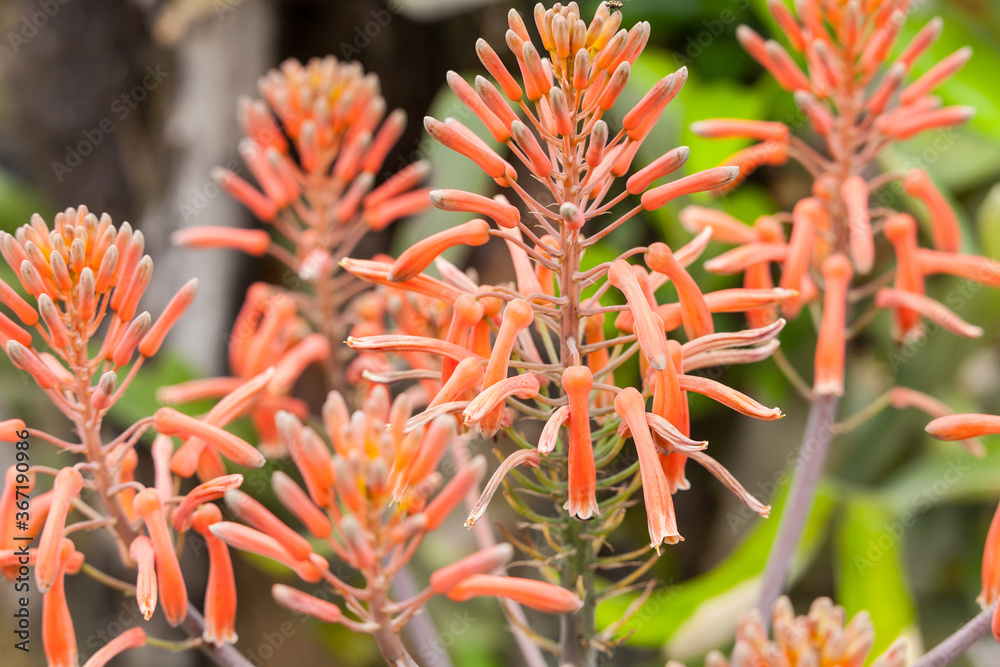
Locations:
(125, 105)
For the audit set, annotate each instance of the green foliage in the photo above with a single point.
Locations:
(695, 615)
(870, 571)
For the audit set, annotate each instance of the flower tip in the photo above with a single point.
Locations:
(658, 361)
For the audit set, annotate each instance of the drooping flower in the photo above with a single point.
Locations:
(220, 592)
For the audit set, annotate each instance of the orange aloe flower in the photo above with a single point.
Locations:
(170, 582)
(220, 592)
(535, 594)
(142, 552)
(577, 382)
(656, 493)
(131, 638)
(58, 636)
(68, 484)
(541, 338)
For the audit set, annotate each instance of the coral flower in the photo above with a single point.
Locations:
(220, 592)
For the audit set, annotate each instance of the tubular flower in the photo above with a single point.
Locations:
(142, 552)
(577, 382)
(659, 505)
(132, 638)
(58, 637)
(170, 582)
(535, 594)
(540, 339)
(220, 592)
(822, 637)
(850, 82)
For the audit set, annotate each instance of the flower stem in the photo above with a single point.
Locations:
(225, 655)
(388, 640)
(577, 629)
(959, 642)
(808, 470)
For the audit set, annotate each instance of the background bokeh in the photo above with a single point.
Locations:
(125, 105)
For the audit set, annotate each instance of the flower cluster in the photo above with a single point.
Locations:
(86, 277)
(822, 637)
(315, 144)
(371, 499)
(857, 102)
(565, 144)
(539, 348)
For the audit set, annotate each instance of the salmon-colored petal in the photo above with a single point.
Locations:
(214, 489)
(945, 230)
(710, 179)
(577, 382)
(483, 561)
(486, 159)
(538, 595)
(963, 426)
(303, 603)
(809, 215)
(237, 450)
(854, 192)
(728, 397)
(832, 344)
(740, 259)
(419, 256)
(68, 484)
(170, 580)
(241, 537)
(725, 228)
(694, 309)
(656, 493)
(550, 432)
(129, 639)
(142, 552)
(517, 316)
(220, 591)
(493, 398)
(991, 564)
(648, 327)
(58, 635)
(930, 308)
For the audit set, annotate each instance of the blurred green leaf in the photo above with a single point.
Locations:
(947, 474)
(696, 615)
(17, 202)
(988, 222)
(870, 572)
(140, 400)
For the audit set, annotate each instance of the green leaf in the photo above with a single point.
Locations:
(870, 572)
(947, 474)
(701, 613)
